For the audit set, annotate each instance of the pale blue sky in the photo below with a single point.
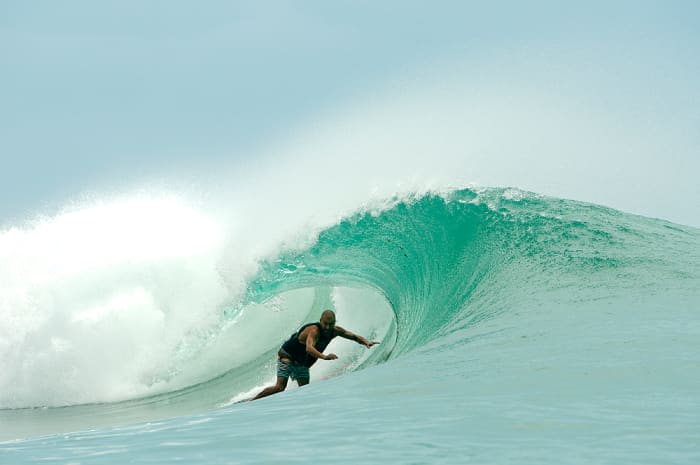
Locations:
(114, 93)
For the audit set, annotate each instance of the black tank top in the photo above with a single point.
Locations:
(297, 350)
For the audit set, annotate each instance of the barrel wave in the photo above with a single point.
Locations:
(544, 318)
(446, 262)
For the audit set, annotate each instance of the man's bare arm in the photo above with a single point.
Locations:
(311, 338)
(342, 332)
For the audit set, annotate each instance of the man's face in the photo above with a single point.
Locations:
(328, 323)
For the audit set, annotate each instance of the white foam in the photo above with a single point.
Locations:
(96, 301)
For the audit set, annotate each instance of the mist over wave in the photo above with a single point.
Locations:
(139, 293)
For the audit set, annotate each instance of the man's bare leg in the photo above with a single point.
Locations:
(268, 391)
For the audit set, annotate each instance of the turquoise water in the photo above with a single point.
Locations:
(515, 328)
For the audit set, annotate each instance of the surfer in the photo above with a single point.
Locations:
(304, 347)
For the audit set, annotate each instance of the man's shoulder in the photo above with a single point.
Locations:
(339, 330)
(310, 328)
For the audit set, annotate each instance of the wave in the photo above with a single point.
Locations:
(146, 302)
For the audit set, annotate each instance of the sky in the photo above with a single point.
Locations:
(595, 101)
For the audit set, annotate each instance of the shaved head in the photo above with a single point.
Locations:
(327, 320)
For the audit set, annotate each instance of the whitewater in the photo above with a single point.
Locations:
(515, 328)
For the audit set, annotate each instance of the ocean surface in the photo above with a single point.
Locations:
(514, 327)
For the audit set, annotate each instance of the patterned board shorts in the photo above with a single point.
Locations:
(287, 368)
